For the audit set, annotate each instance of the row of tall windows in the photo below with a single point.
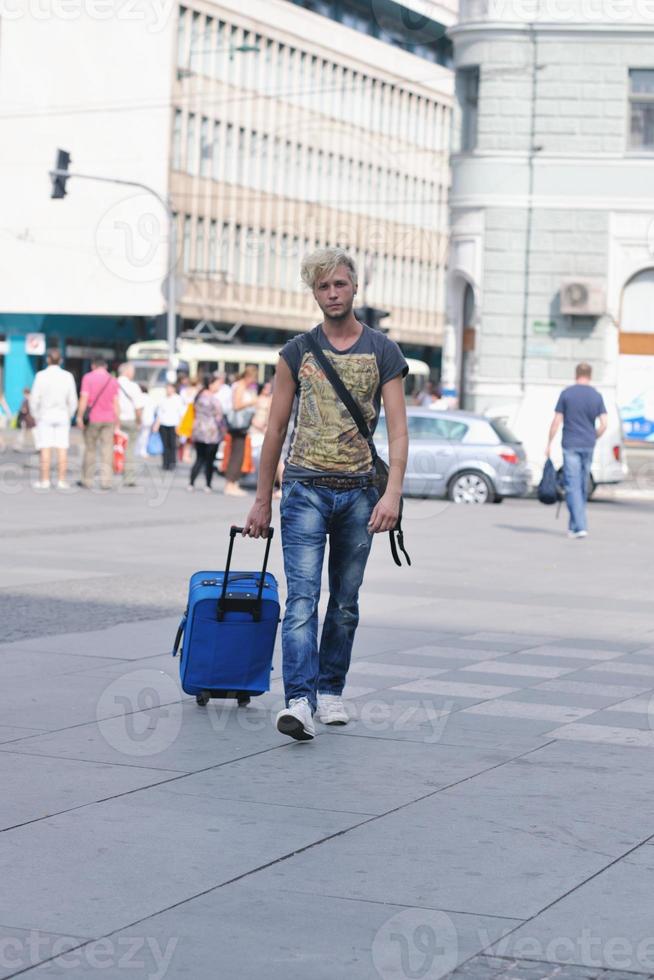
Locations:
(212, 48)
(265, 258)
(219, 150)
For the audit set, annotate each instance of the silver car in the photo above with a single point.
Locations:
(468, 458)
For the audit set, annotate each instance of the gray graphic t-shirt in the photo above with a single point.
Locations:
(326, 441)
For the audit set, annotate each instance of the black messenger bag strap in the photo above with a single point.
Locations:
(353, 408)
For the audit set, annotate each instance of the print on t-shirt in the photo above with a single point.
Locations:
(325, 439)
(326, 436)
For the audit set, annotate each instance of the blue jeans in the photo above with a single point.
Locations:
(576, 470)
(308, 515)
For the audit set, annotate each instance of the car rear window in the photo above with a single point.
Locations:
(502, 431)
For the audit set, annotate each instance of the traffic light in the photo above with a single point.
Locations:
(371, 315)
(58, 179)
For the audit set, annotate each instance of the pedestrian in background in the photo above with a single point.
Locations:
(5, 417)
(208, 430)
(578, 409)
(147, 421)
(52, 403)
(26, 421)
(130, 403)
(98, 403)
(189, 388)
(169, 414)
(244, 400)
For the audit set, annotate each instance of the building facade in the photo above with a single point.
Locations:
(272, 129)
(552, 204)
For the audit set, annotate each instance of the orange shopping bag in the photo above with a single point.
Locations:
(247, 466)
(120, 448)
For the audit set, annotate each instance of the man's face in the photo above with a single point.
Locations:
(335, 294)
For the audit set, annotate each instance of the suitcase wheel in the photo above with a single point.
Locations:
(243, 701)
(203, 699)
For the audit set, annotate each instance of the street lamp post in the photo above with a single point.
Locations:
(171, 298)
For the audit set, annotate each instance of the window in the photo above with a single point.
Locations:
(205, 147)
(467, 90)
(215, 151)
(196, 42)
(186, 255)
(641, 105)
(199, 247)
(181, 37)
(177, 140)
(213, 245)
(191, 145)
(425, 429)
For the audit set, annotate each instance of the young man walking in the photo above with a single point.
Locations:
(327, 487)
(577, 409)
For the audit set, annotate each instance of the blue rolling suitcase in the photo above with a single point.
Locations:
(228, 631)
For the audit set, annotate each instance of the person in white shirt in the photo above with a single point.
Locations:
(53, 402)
(169, 415)
(148, 412)
(130, 403)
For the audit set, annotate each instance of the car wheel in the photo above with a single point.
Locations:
(592, 486)
(470, 487)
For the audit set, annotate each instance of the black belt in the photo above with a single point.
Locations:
(338, 482)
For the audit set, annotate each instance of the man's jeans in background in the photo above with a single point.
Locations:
(308, 515)
(576, 470)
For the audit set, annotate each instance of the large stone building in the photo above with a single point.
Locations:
(272, 126)
(552, 257)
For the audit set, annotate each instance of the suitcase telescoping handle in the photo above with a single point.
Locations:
(244, 604)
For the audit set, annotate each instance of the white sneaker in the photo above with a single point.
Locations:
(331, 710)
(41, 485)
(296, 721)
(63, 485)
(577, 534)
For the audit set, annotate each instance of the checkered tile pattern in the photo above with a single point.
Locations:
(587, 693)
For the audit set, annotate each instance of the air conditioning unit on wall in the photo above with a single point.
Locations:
(582, 297)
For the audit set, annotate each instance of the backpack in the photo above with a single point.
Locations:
(549, 489)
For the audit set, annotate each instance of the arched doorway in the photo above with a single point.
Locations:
(636, 365)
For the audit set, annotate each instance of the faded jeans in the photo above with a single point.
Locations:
(308, 515)
(576, 471)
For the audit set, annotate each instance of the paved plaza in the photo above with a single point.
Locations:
(487, 813)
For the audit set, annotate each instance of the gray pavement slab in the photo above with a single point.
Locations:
(247, 931)
(97, 709)
(522, 853)
(329, 775)
(177, 736)
(22, 948)
(124, 641)
(606, 922)
(77, 784)
(122, 860)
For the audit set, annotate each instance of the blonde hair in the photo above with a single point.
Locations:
(323, 262)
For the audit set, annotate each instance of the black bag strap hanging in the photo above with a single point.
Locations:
(354, 409)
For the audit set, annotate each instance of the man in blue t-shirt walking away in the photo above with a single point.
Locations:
(578, 408)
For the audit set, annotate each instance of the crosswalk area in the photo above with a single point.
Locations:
(499, 683)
